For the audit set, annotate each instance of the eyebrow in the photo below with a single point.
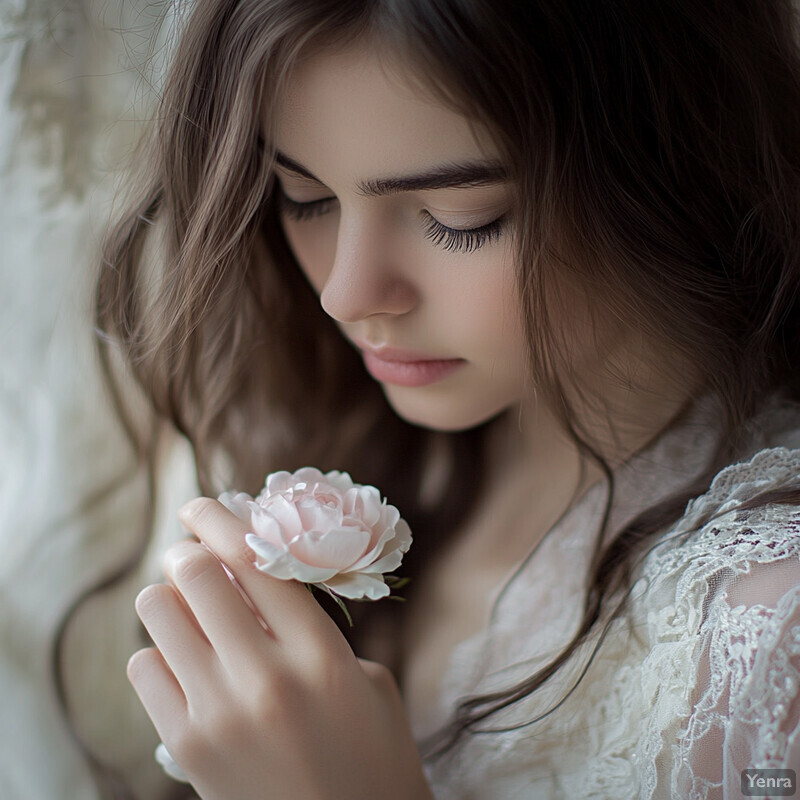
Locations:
(446, 176)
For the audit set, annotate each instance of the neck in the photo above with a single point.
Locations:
(530, 450)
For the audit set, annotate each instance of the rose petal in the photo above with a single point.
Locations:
(378, 548)
(402, 533)
(388, 554)
(388, 563)
(286, 567)
(356, 585)
(364, 502)
(317, 517)
(277, 482)
(308, 574)
(325, 495)
(268, 528)
(341, 481)
(390, 516)
(337, 548)
(237, 503)
(308, 475)
(273, 560)
(286, 515)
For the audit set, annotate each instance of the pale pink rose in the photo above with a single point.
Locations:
(323, 530)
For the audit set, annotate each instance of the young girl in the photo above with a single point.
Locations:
(532, 269)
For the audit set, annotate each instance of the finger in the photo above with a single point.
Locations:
(159, 691)
(177, 635)
(230, 626)
(287, 606)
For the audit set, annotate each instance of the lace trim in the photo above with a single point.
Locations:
(699, 683)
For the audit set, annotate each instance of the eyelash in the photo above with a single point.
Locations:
(300, 212)
(463, 240)
(453, 240)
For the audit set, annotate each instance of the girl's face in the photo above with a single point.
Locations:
(397, 211)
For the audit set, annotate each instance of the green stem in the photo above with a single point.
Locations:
(338, 600)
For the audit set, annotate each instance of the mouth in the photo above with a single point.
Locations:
(407, 367)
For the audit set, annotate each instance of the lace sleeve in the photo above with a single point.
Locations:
(745, 706)
(737, 607)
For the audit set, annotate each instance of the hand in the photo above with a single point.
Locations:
(264, 699)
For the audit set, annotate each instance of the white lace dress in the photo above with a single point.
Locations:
(697, 683)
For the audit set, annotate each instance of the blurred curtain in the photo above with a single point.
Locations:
(77, 77)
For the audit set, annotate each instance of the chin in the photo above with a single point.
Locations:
(442, 413)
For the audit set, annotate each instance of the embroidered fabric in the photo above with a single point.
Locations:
(697, 682)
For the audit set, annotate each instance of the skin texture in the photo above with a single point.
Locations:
(377, 272)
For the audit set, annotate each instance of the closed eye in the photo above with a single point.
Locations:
(455, 240)
(463, 240)
(304, 211)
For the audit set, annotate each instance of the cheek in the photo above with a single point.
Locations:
(485, 302)
(313, 243)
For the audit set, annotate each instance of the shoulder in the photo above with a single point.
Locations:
(719, 552)
(717, 531)
(719, 556)
(718, 607)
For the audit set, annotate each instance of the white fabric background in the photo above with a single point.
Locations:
(74, 80)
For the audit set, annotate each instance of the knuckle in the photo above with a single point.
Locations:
(213, 523)
(274, 694)
(378, 674)
(229, 723)
(329, 672)
(199, 741)
(187, 562)
(188, 748)
(325, 668)
(198, 513)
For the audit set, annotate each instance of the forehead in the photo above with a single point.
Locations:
(350, 108)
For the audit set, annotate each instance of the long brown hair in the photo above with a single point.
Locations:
(655, 152)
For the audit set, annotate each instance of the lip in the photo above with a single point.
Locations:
(406, 367)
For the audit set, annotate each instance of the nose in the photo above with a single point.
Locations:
(368, 275)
